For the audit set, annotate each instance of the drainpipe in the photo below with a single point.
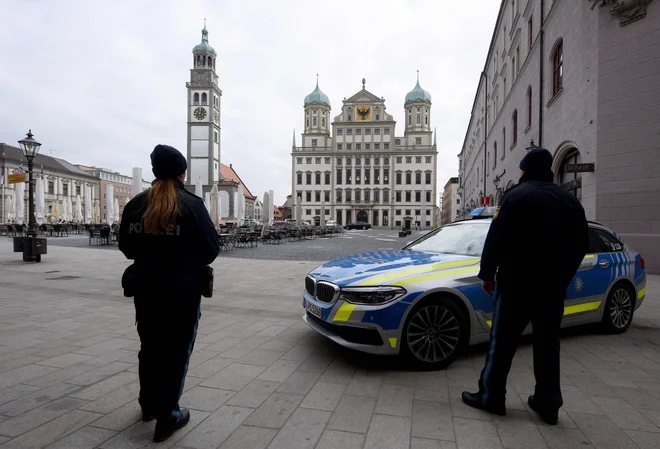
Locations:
(541, 69)
(485, 76)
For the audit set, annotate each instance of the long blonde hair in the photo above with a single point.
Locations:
(162, 206)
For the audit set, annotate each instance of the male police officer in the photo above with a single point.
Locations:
(535, 244)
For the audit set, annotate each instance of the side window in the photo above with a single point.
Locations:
(595, 243)
(609, 241)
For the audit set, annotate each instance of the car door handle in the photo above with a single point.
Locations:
(603, 264)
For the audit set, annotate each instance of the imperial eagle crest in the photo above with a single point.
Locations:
(363, 113)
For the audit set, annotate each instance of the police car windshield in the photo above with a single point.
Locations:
(465, 238)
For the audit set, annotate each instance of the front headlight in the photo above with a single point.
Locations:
(371, 295)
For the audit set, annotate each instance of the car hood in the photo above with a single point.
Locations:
(388, 267)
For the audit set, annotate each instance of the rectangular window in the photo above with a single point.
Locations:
(349, 132)
(367, 161)
(418, 140)
(326, 196)
(367, 146)
(408, 212)
(376, 175)
(340, 132)
(377, 131)
(358, 146)
(408, 159)
(299, 160)
(397, 141)
(376, 196)
(338, 196)
(386, 196)
(386, 131)
(428, 196)
(215, 136)
(428, 211)
(397, 212)
(386, 146)
(408, 199)
(317, 211)
(317, 197)
(339, 146)
(314, 142)
(308, 196)
(348, 196)
(376, 146)
(358, 131)
(327, 178)
(358, 172)
(367, 176)
(397, 223)
(397, 178)
(339, 180)
(349, 146)
(429, 159)
(339, 161)
(308, 160)
(418, 197)
(398, 196)
(349, 176)
(308, 211)
(428, 177)
(65, 189)
(367, 132)
(77, 190)
(367, 196)
(348, 161)
(358, 196)
(357, 161)
(318, 160)
(418, 178)
(386, 175)
(386, 161)
(408, 178)
(298, 178)
(317, 178)
(327, 160)
(418, 212)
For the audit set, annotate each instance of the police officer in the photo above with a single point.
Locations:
(535, 245)
(168, 232)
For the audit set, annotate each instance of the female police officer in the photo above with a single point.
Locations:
(169, 234)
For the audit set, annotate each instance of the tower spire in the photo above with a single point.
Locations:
(294, 138)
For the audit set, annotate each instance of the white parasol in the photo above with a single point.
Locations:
(88, 204)
(40, 206)
(109, 203)
(214, 205)
(78, 216)
(19, 202)
(115, 210)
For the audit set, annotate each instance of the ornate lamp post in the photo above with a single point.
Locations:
(31, 246)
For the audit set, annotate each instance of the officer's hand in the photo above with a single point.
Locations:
(488, 287)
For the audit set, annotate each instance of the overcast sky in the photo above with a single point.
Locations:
(101, 83)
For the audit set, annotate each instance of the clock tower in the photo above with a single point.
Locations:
(203, 116)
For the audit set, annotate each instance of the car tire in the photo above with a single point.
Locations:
(619, 309)
(364, 228)
(449, 343)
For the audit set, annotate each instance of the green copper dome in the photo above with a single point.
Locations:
(204, 45)
(317, 96)
(418, 94)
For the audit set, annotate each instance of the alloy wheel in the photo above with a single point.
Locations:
(620, 308)
(433, 333)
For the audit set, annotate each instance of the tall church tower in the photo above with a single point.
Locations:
(418, 116)
(203, 116)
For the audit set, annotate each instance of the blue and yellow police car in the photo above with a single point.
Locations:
(426, 303)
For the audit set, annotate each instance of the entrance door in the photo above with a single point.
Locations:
(407, 223)
(362, 216)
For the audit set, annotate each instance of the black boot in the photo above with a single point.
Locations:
(164, 430)
(548, 416)
(475, 400)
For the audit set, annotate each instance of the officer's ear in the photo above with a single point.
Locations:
(522, 172)
(182, 176)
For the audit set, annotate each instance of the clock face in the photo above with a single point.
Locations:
(216, 117)
(200, 113)
(363, 113)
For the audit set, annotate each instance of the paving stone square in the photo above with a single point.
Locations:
(260, 378)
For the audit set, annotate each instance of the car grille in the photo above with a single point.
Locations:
(326, 292)
(310, 286)
(351, 334)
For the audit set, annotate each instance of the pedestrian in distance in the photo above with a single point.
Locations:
(535, 245)
(169, 234)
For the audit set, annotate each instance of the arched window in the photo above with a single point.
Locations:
(210, 61)
(204, 98)
(515, 126)
(529, 106)
(426, 120)
(558, 68)
(419, 119)
(196, 98)
(323, 122)
(313, 121)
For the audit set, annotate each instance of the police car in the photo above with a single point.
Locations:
(426, 303)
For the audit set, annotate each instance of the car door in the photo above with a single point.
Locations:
(585, 296)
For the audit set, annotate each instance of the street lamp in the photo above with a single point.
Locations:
(31, 246)
(496, 181)
(30, 149)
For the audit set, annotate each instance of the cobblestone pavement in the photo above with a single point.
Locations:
(259, 378)
(320, 249)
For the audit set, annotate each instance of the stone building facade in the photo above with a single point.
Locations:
(582, 79)
(355, 168)
(451, 202)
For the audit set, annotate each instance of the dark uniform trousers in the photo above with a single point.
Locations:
(511, 315)
(167, 327)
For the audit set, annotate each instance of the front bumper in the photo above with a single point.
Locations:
(349, 331)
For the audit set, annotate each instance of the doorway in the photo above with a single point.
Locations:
(363, 216)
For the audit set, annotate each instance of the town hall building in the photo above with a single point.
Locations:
(356, 168)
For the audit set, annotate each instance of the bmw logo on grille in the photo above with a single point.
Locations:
(579, 284)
